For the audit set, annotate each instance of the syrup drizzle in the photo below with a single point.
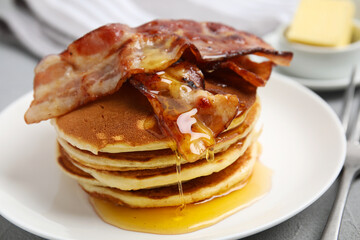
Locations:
(210, 154)
(187, 113)
(178, 175)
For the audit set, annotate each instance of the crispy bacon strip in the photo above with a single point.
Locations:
(255, 73)
(79, 75)
(98, 63)
(191, 116)
(216, 41)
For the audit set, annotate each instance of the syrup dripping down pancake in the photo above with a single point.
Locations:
(155, 158)
(195, 190)
(150, 178)
(117, 123)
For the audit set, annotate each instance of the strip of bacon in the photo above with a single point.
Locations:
(255, 73)
(189, 115)
(216, 41)
(65, 82)
(98, 63)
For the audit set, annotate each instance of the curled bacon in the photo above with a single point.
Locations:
(77, 76)
(216, 41)
(189, 115)
(98, 63)
(255, 73)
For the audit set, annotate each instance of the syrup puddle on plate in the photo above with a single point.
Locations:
(169, 220)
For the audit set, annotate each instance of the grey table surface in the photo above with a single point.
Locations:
(16, 68)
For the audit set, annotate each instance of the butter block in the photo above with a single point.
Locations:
(322, 23)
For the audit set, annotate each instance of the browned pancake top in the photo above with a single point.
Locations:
(112, 119)
(122, 117)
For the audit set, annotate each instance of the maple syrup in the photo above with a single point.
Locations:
(169, 220)
(210, 154)
(178, 172)
(186, 113)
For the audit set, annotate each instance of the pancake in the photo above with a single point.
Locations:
(157, 158)
(195, 190)
(150, 178)
(125, 122)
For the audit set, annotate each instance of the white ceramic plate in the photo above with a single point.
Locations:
(324, 84)
(302, 142)
(315, 84)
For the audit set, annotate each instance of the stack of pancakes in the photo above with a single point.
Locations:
(116, 151)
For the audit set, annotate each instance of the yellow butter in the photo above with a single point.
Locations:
(322, 23)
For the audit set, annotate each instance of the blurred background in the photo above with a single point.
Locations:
(47, 26)
(32, 29)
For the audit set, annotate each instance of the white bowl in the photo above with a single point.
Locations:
(319, 62)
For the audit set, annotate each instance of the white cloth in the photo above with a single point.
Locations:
(47, 26)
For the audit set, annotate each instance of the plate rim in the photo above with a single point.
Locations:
(277, 76)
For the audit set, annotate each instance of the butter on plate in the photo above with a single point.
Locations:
(327, 23)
